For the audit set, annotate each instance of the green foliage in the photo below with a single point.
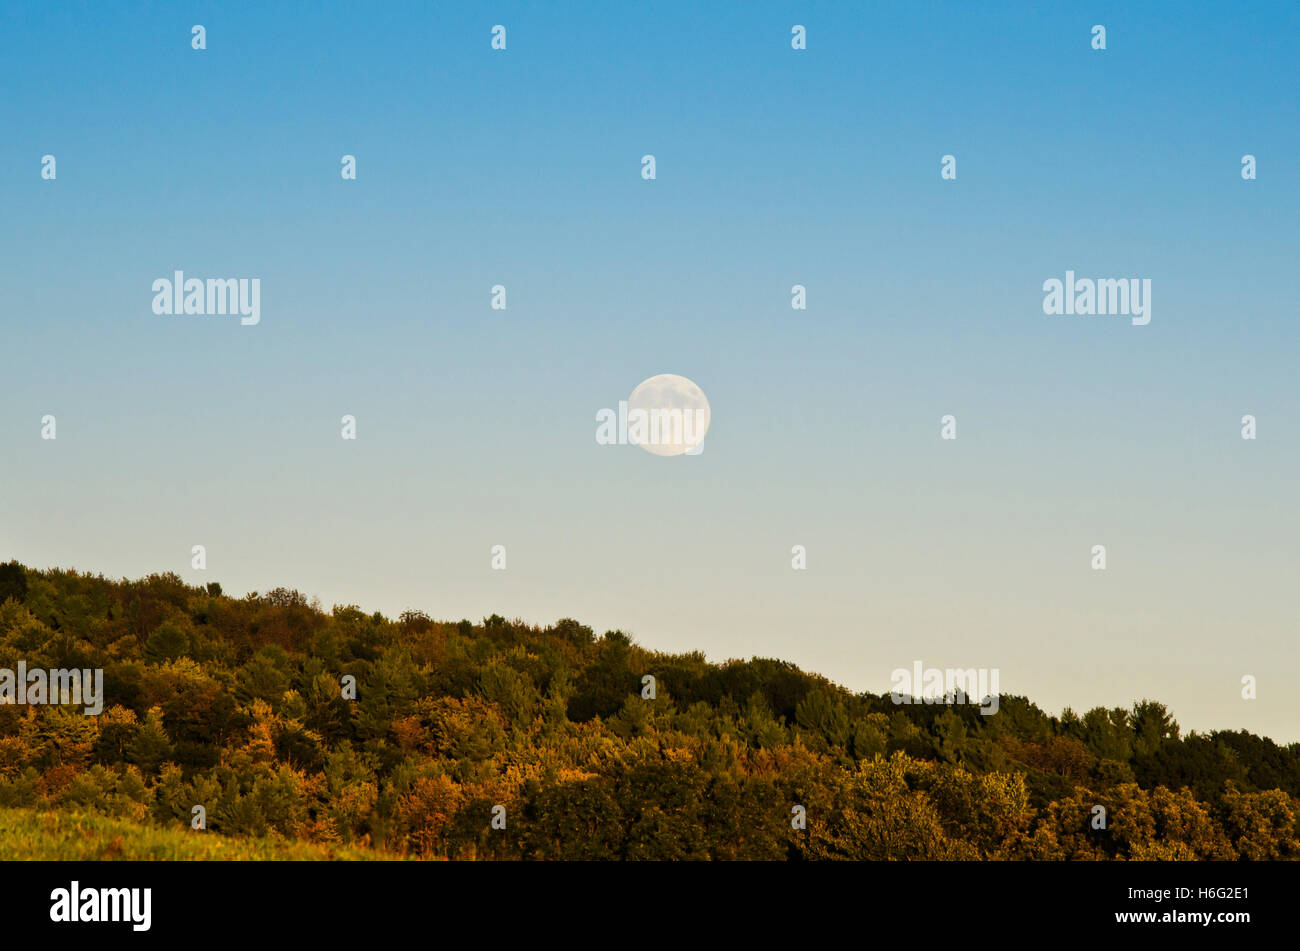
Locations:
(13, 582)
(167, 642)
(80, 837)
(238, 705)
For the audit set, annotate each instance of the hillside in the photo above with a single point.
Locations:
(75, 836)
(244, 706)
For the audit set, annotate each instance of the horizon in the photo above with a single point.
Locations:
(315, 603)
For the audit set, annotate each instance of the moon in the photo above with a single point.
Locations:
(668, 391)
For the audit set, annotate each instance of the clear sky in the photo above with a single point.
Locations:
(774, 167)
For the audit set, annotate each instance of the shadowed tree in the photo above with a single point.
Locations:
(13, 582)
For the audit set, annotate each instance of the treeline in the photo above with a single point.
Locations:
(244, 706)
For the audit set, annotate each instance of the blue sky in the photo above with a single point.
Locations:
(775, 167)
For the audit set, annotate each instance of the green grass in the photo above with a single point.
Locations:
(71, 836)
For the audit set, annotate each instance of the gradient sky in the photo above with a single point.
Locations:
(775, 167)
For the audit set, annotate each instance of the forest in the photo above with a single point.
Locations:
(408, 737)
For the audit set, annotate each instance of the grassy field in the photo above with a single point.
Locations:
(70, 836)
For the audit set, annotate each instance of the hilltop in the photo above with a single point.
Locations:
(346, 733)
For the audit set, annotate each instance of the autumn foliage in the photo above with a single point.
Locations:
(238, 705)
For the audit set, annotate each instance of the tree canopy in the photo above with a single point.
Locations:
(507, 740)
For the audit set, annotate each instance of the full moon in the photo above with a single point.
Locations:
(667, 392)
